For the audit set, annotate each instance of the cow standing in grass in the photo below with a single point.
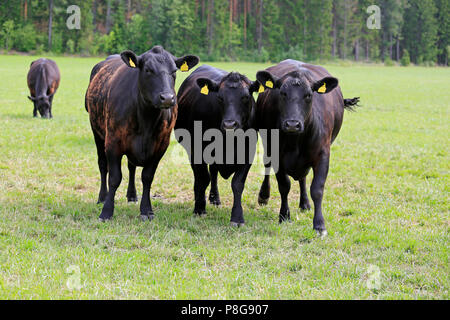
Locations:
(217, 100)
(43, 81)
(305, 103)
(132, 107)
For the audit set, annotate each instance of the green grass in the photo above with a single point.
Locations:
(386, 204)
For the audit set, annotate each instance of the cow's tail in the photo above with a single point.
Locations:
(350, 104)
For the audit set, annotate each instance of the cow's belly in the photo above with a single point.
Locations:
(295, 165)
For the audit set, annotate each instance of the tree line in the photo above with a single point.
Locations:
(230, 30)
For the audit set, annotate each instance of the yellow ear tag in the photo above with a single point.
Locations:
(204, 90)
(132, 64)
(184, 67)
(269, 84)
(322, 89)
(261, 88)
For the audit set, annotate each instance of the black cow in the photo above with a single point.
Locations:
(43, 81)
(223, 101)
(305, 103)
(132, 108)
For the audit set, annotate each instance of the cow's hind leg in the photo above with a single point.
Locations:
(317, 187)
(284, 186)
(304, 201)
(114, 179)
(148, 174)
(131, 191)
(214, 197)
(103, 167)
(201, 182)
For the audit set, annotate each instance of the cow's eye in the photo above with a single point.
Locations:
(220, 98)
(307, 97)
(148, 70)
(283, 93)
(245, 99)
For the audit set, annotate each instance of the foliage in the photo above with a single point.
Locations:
(230, 30)
(405, 61)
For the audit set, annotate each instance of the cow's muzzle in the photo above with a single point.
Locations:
(292, 126)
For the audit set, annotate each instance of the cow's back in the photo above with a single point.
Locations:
(98, 102)
(43, 73)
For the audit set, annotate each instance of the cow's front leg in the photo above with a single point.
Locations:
(148, 173)
(131, 191)
(35, 112)
(320, 175)
(284, 186)
(237, 185)
(201, 182)
(304, 201)
(214, 197)
(114, 179)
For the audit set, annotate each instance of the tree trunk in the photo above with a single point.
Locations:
(25, 10)
(390, 46)
(333, 48)
(398, 49)
(210, 26)
(259, 15)
(128, 10)
(108, 16)
(230, 22)
(50, 25)
(357, 49)
(245, 24)
(367, 50)
(344, 47)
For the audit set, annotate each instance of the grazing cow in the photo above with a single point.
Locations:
(221, 101)
(305, 103)
(43, 81)
(132, 108)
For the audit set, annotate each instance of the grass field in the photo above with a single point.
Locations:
(386, 205)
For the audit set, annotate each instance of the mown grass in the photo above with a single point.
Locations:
(386, 205)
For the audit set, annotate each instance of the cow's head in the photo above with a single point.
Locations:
(295, 95)
(234, 96)
(43, 104)
(157, 73)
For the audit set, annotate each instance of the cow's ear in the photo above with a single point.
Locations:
(267, 79)
(31, 98)
(186, 63)
(325, 85)
(130, 58)
(207, 85)
(254, 87)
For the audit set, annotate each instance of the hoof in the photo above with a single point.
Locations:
(146, 217)
(237, 224)
(321, 233)
(284, 220)
(200, 213)
(215, 202)
(262, 201)
(132, 199)
(103, 219)
(305, 206)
